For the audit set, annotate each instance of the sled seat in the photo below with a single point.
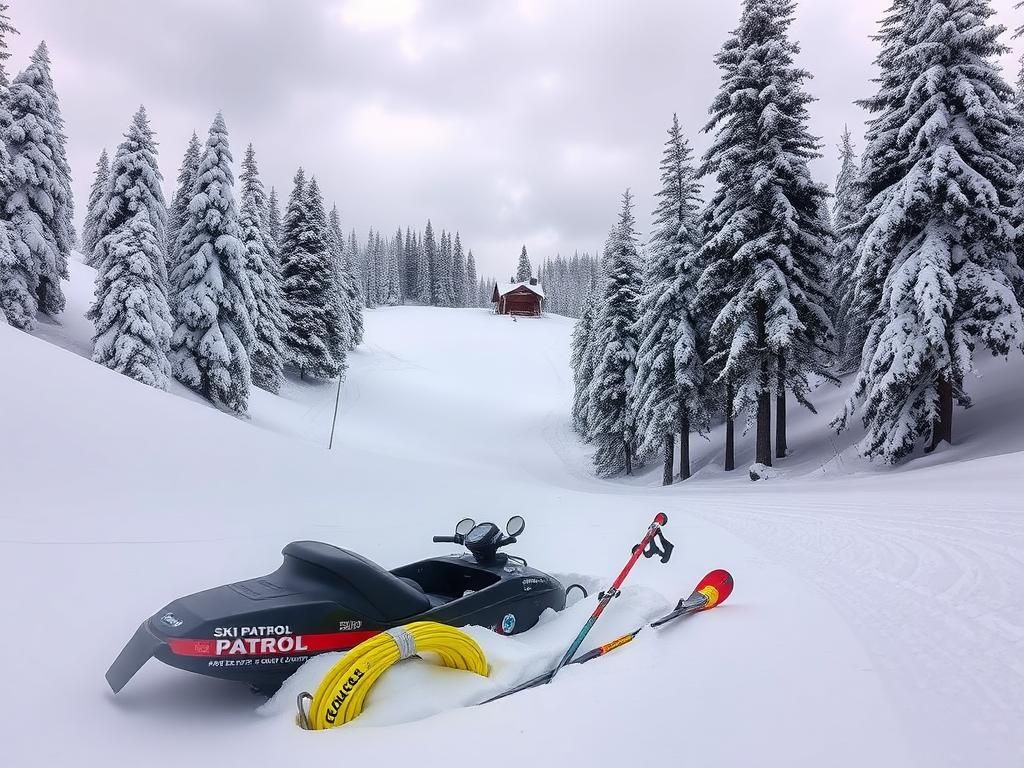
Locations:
(389, 597)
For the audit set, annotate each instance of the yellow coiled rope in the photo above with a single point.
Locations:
(339, 697)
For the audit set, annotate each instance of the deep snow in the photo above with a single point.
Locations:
(878, 617)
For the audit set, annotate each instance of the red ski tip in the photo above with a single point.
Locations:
(661, 518)
(716, 587)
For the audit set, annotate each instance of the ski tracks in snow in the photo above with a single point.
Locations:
(931, 598)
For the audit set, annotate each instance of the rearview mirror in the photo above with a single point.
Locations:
(465, 525)
(515, 525)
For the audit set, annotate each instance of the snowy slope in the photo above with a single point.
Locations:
(877, 618)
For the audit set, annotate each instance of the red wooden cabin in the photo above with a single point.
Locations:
(519, 298)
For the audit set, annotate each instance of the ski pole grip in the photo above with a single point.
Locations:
(658, 545)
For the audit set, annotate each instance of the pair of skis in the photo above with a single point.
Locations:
(712, 590)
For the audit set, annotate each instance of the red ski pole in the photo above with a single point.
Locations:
(647, 548)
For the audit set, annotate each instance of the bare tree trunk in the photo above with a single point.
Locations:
(781, 445)
(684, 444)
(764, 400)
(764, 428)
(730, 431)
(670, 459)
(943, 427)
(629, 456)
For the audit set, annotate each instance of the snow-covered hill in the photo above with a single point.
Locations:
(877, 620)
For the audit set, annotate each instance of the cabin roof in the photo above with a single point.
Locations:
(506, 288)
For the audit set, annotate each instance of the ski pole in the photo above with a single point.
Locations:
(647, 548)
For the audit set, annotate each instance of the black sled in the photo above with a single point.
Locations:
(323, 599)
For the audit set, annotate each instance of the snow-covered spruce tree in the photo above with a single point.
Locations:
(766, 233)
(883, 163)
(472, 297)
(130, 312)
(667, 396)
(97, 194)
(392, 271)
(428, 267)
(6, 28)
(16, 306)
(524, 270)
(39, 206)
(410, 265)
(442, 273)
(610, 413)
(582, 362)
(345, 292)
(370, 271)
(355, 295)
(946, 224)
(266, 359)
(847, 212)
(310, 306)
(134, 185)
(178, 212)
(131, 317)
(209, 349)
(460, 288)
(273, 220)
(1017, 214)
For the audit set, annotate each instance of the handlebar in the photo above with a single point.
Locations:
(447, 539)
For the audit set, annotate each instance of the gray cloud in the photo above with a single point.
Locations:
(511, 121)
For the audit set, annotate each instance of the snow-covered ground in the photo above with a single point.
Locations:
(878, 617)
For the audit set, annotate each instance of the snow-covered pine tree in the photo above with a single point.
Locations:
(667, 396)
(428, 267)
(524, 270)
(610, 419)
(131, 313)
(384, 261)
(411, 264)
(460, 290)
(443, 272)
(484, 292)
(131, 317)
(15, 298)
(1017, 213)
(945, 223)
(101, 180)
(354, 260)
(372, 269)
(274, 219)
(6, 28)
(847, 211)
(472, 290)
(209, 348)
(355, 294)
(64, 212)
(582, 361)
(178, 212)
(346, 293)
(39, 206)
(266, 359)
(135, 185)
(392, 285)
(310, 307)
(883, 163)
(765, 248)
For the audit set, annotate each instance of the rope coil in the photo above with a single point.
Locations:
(341, 694)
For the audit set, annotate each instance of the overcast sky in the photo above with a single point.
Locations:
(513, 122)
